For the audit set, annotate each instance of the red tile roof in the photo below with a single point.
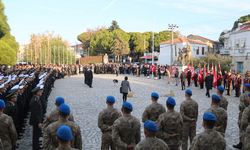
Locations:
(183, 40)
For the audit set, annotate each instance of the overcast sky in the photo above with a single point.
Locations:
(69, 18)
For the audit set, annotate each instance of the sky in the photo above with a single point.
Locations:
(69, 18)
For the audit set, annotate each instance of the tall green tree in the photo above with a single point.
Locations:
(8, 44)
(48, 49)
(120, 43)
(114, 25)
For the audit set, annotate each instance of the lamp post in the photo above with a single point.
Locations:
(152, 54)
(172, 27)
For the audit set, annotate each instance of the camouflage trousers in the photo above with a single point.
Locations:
(107, 141)
(189, 131)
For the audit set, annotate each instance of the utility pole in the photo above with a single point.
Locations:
(153, 51)
(171, 27)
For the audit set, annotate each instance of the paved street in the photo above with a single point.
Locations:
(87, 102)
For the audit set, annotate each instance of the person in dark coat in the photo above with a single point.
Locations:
(125, 87)
(11, 107)
(189, 75)
(89, 77)
(36, 117)
(195, 78)
(208, 84)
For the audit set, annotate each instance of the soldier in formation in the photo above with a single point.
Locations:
(8, 134)
(243, 104)
(151, 142)
(53, 116)
(170, 126)
(64, 136)
(223, 101)
(126, 131)
(189, 113)
(221, 114)
(106, 120)
(154, 110)
(49, 138)
(210, 138)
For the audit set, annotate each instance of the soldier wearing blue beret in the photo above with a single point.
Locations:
(65, 136)
(223, 101)
(126, 131)
(189, 113)
(210, 138)
(151, 141)
(49, 136)
(106, 120)
(154, 110)
(220, 113)
(170, 125)
(8, 134)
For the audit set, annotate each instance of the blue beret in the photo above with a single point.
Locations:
(127, 105)
(150, 126)
(110, 99)
(221, 88)
(63, 108)
(189, 92)
(2, 104)
(171, 101)
(247, 85)
(154, 94)
(209, 116)
(216, 98)
(64, 132)
(59, 100)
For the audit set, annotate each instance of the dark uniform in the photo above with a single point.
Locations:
(36, 118)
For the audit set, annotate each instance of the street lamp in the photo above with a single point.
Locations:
(172, 27)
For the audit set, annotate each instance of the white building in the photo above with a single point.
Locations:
(199, 49)
(237, 45)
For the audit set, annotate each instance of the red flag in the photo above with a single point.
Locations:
(200, 75)
(215, 77)
(212, 69)
(188, 66)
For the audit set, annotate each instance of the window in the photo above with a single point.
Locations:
(240, 67)
(203, 51)
(197, 51)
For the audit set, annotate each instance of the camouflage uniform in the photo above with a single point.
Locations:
(126, 131)
(189, 113)
(106, 119)
(53, 117)
(170, 129)
(8, 133)
(246, 142)
(65, 148)
(223, 102)
(153, 111)
(50, 139)
(221, 114)
(209, 139)
(152, 143)
(245, 121)
(243, 104)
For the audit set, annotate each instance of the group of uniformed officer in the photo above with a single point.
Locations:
(24, 88)
(169, 129)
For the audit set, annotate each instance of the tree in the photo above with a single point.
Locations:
(8, 44)
(101, 42)
(120, 43)
(48, 49)
(114, 26)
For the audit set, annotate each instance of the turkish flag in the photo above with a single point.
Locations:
(215, 77)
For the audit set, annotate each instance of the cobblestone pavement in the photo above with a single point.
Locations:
(87, 102)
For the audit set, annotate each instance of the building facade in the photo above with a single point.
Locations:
(237, 45)
(181, 45)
